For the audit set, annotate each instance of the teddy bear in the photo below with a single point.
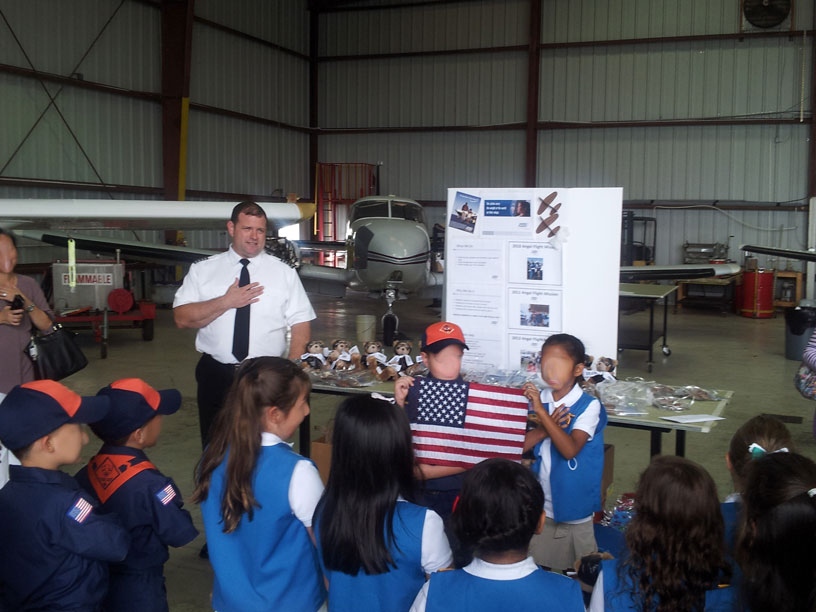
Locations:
(376, 361)
(340, 356)
(402, 361)
(315, 356)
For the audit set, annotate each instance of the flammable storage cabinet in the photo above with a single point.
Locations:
(93, 296)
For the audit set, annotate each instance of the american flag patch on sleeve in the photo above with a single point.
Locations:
(80, 510)
(166, 495)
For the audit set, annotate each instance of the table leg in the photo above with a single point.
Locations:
(665, 318)
(651, 334)
(680, 443)
(304, 437)
(656, 442)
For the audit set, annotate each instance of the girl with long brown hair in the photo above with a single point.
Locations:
(676, 558)
(258, 496)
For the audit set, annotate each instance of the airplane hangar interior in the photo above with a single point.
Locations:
(641, 175)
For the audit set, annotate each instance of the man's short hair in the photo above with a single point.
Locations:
(247, 207)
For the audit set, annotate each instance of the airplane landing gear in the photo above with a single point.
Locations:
(390, 321)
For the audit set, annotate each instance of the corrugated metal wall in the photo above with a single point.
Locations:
(121, 137)
(784, 229)
(246, 76)
(659, 81)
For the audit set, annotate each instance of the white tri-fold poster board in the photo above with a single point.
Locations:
(523, 264)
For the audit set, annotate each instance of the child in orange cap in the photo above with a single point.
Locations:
(149, 504)
(54, 546)
(442, 350)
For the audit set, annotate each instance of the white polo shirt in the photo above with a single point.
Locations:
(283, 303)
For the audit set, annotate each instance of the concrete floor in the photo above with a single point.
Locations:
(708, 350)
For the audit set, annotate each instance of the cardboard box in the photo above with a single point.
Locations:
(608, 473)
(321, 455)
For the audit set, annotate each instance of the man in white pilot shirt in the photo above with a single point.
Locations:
(211, 298)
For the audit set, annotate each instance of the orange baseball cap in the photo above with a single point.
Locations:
(35, 409)
(439, 335)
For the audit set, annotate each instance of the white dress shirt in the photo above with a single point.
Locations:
(282, 304)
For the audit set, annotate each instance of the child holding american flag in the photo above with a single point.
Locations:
(568, 449)
(456, 424)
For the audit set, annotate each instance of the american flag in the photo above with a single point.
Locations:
(80, 510)
(166, 494)
(460, 424)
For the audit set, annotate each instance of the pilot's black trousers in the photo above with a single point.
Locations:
(214, 379)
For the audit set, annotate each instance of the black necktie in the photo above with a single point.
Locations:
(240, 334)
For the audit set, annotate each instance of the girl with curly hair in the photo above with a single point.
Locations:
(676, 559)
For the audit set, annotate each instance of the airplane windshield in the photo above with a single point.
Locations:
(371, 208)
(407, 211)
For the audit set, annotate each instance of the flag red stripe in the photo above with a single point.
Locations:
(434, 461)
(497, 417)
(505, 430)
(494, 389)
(475, 399)
(470, 452)
(470, 439)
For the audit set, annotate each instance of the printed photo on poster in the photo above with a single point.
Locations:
(534, 263)
(524, 352)
(465, 212)
(534, 315)
(534, 309)
(506, 208)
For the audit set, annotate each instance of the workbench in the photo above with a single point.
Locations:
(638, 340)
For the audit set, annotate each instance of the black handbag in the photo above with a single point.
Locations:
(56, 355)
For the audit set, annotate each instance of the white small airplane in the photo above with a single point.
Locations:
(387, 242)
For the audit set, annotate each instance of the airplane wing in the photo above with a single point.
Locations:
(143, 251)
(787, 253)
(137, 214)
(630, 274)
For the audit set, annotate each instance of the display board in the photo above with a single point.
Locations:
(522, 264)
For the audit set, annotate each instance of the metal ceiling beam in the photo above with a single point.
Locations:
(533, 67)
(176, 49)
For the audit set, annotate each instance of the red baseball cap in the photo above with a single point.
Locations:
(35, 409)
(132, 404)
(439, 335)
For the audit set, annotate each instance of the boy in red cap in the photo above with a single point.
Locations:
(54, 546)
(442, 349)
(149, 504)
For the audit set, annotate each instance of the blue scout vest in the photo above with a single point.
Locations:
(618, 598)
(269, 562)
(397, 588)
(458, 591)
(576, 484)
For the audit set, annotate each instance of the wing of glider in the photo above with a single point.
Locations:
(137, 214)
(787, 253)
(630, 274)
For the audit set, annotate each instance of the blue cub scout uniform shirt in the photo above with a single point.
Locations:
(150, 507)
(54, 547)
(459, 591)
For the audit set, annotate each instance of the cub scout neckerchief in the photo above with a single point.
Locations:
(109, 472)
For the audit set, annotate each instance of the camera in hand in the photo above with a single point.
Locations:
(17, 303)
